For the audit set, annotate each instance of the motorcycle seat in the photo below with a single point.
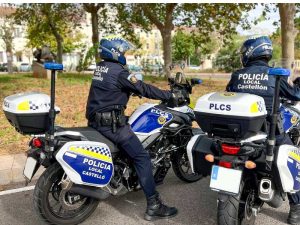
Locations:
(90, 134)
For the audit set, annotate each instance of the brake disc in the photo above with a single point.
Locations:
(70, 201)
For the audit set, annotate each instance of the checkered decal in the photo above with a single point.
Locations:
(100, 150)
(34, 107)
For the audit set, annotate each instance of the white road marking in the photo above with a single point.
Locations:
(17, 190)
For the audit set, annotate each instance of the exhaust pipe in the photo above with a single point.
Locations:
(268, 194)
(266, 190)
(89, 191)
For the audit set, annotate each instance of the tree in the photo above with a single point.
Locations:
(93, 9)
(183, 47)
(7, 28)
(207, 17)
(287, 12)
(71, 39)
(228, 58)
(52, 19)
(7, 35)
(189, 45)
(276, 41)
(297, 40)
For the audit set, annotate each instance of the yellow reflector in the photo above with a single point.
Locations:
(24, 106)
(254, 108)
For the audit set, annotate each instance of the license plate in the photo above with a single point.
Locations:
(224, 179)
(29, 168)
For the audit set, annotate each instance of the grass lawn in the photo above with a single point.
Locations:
(71, 95)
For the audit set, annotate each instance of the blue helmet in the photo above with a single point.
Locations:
(256, 48)
(114, 48)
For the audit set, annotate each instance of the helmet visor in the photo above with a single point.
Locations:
(127, 46)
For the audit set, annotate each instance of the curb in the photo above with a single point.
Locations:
(11, 169)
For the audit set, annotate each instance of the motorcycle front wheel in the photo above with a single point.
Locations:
(182, 168)
(56, 206)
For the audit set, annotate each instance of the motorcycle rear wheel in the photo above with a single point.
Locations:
(235, 209)
(182, 168)
(74, 209)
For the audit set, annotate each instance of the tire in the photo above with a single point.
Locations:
(232, 209)
(48, 186)
(228, 209)
(180, 159)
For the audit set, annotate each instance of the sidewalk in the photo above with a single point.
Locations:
(11, 169)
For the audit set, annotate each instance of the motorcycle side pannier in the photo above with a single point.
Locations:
(28, 112)
(231, 115)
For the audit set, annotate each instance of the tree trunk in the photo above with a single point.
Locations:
(59, 57)
(59, 41)
(95, 36)
(93, 9)
(288, 33)
(9, 56)
(167, 51)
(165, 31)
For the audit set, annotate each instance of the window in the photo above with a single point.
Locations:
(19, 56)
(156, 45)
(156, 35)
(17, 33)
(148, 46)
(147, 34)
(1, 56)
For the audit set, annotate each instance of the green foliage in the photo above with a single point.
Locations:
(48, 22)
(209, 18)
(6, 33)
(195, 59)
(228, 58)
(71, 39)
(182, 47)
(190, 44)
(276, 40)
(87, 59)
(297, 40)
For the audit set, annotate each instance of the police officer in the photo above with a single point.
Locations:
(111, 87)
(253, 78)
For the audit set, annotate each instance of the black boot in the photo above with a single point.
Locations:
(294, 215)
(157, 210)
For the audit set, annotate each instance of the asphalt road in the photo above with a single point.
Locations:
(196, 204)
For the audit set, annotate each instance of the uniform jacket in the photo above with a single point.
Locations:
(254, 79)
(112, 85)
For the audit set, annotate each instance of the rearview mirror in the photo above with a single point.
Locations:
(178, 77)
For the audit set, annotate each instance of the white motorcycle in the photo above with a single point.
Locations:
(82, 166)
(238, 151)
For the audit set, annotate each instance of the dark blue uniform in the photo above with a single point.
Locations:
(254, 79)
(111, 86)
